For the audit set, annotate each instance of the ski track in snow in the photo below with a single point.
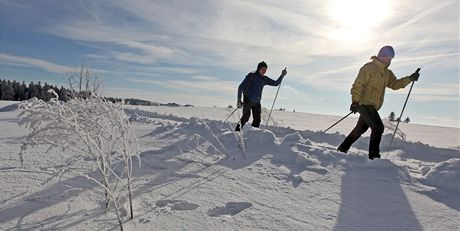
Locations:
(194, 176)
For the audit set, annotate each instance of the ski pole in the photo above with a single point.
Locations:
(269, 115)
(337, 122)
(230, 114)
(400, 116)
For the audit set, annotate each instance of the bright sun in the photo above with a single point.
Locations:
(356, 19)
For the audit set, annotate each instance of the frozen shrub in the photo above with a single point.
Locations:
(89, 128)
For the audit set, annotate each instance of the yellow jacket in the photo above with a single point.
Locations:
(373, 78)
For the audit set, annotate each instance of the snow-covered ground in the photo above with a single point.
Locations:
(194, 176)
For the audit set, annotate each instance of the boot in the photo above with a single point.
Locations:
(373, 155)
(237, 129)
(340, 149)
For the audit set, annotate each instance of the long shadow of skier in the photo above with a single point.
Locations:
(372, 199)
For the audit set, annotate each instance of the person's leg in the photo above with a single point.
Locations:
(256, 111)
(360, 128)
(372, 118)
(246, 113)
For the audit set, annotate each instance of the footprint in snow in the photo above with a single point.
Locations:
(176, 205)
(231, 208)
(144, 221)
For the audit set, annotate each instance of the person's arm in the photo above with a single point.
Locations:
(242, 87)
(272, 82)
(396, 84)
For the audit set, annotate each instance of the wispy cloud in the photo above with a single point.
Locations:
(436, 56)
(227, 87)
(38, 63)
(148, 53)
(206, 78)
(220, 27)
(437, 93)
(230, 33)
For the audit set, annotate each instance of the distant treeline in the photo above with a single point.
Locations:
(132, 101)
(16, 91)
(13, 90)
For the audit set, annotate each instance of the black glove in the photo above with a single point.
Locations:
(239, 104)
(414, 76)
(354, 107)
(283, 73)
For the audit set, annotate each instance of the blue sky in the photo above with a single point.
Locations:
(197, 52)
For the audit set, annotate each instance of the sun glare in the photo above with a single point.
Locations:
(356, 19)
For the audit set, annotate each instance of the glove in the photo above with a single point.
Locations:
(239, 104)
(354, 107)
(414, 76)
(284, 72)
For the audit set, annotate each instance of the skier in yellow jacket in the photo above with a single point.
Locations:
(367, 95)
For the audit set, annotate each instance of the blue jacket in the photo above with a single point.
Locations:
(253, 84)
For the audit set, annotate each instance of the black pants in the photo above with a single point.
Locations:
(256, 110)
(369, 117)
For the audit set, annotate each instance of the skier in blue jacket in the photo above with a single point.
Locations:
(251, 88)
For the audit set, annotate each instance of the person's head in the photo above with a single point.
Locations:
(262, 68)
(386, 54)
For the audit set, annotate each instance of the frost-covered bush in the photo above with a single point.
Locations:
(90, 129)
(392, 127)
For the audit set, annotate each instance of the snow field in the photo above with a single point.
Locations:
(193, 176)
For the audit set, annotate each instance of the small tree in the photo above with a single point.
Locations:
(2, 83)
(407, 120)
(84, 82)
(8, 92)
(91, 128)
(391, 126)
(392, 116)
(22, 91)
(64, 94)
(33, 90)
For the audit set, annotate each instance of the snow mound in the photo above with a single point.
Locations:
(306, 159)
(141, 119)
(148, 116)
(445, 175)
(292, 138)
(11, 107)
(29, 104)
(258, 138)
